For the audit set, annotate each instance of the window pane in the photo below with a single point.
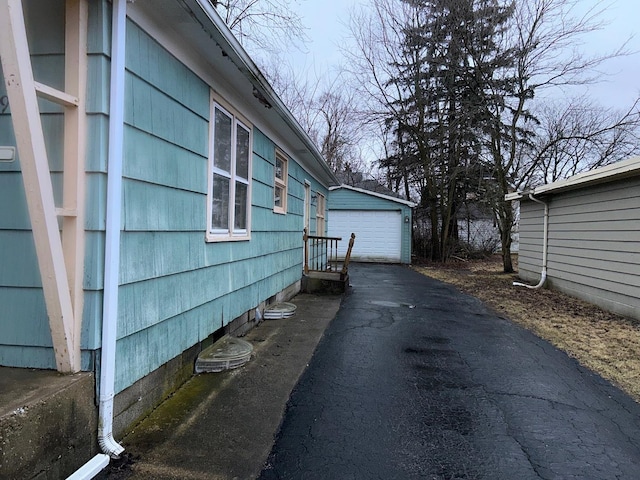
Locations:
(220, 204)
(279, 168)
(222, 139)
(240, 222)
(242, 153)
(278, 197)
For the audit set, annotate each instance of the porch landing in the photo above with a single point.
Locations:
(48, 423)
(330, 283)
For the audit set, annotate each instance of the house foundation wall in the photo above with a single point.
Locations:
(134, 403)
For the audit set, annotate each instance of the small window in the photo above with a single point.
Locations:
(229, 177)
(280, 184)
(320, 215)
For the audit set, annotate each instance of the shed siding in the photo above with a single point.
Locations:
(594, 244)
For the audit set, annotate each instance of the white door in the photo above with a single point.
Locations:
(378, 234)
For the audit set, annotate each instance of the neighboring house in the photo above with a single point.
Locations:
(590, 247)
(477, 227)
(179, 180)
(381, 223)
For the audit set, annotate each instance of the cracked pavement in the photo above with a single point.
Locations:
(413, 379)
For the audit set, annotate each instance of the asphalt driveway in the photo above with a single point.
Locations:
(413, 379)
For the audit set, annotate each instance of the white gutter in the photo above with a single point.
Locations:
(109, 446)
(545, 229)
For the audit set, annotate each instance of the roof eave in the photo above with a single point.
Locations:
(616, 171)
(207, 16)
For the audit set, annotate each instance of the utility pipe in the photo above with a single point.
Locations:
(545, 229)
(112, 233)
(109, 446)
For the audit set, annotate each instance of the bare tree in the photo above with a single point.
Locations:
(263, 26)
(545, 35)
(581, 135)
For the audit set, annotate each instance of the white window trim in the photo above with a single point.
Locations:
(282, 183)
(237, 119)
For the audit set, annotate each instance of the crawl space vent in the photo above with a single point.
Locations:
(279, 310)
(225, 354)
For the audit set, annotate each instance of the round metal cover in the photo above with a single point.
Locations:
(225, 354)
(279, 310)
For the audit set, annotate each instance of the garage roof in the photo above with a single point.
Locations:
(375, 194)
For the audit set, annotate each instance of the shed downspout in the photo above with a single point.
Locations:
(112, 233)
(545, 229)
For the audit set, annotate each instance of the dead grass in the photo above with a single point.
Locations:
(607, 344)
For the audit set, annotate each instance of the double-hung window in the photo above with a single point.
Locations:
(229, 177)
(280, 184)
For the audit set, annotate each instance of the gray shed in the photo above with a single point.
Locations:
(382, 224)
(590, 246)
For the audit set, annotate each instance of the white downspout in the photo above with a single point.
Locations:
(112, 233)
(545, 229)
(109, 446)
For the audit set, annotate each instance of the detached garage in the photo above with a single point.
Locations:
(382, 224)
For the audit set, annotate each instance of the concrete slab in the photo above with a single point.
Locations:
(47, 423)
(222, 425)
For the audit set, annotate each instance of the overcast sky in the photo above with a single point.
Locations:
(326, 21)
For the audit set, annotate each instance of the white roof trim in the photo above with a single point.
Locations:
(615, 171)
(375, 194)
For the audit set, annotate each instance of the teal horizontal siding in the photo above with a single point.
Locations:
(148, 60)
(94, 260)
(91, 335)
(14, 215)
(49, 70)
(97, 143)
(32, 356)
(99, 28)
(98, 81)
(45, 26)
(151, 110)
(27, 306)
(158, 161)
(264, 147)
(7, 138)
(155, 207)
(96, 201)
(18, 260)
(344, 199)
(263, 171)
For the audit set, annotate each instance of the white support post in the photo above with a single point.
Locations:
(25, 115)
(73, 235)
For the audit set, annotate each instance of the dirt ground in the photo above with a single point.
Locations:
(605, 343)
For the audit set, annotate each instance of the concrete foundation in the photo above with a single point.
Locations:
(48, 423)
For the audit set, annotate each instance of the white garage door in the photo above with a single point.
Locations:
(378, 234)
